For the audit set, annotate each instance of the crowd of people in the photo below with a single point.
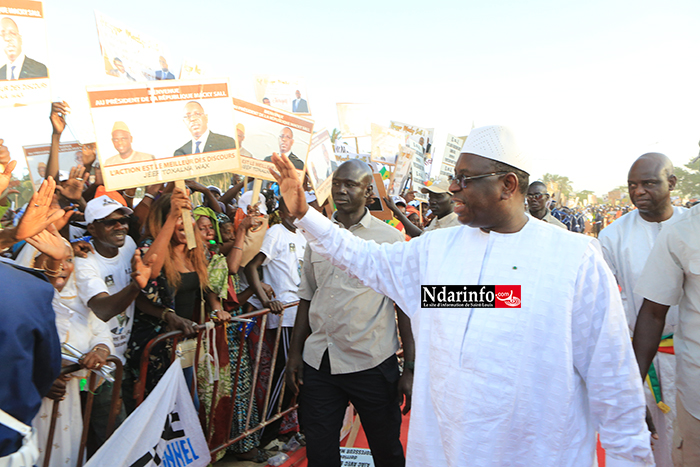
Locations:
(530, 383)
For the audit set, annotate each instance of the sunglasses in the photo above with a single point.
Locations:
(536, 196)
(462, 180)
(112, 222)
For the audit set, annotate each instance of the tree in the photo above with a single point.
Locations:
(688, 185)
(335, 135)
(582, 196)
(561, 184)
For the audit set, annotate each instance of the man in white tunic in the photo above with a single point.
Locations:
(527, 385)
(626, 244)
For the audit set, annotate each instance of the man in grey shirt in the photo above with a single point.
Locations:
(347, 335)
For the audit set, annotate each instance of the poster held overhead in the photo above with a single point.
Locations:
(69, 155)
(386, 144)
(354, 120)
(321, 164)
(402, 172)
(453, 147)
(286, 93)
(422, 136)
(262, 131)
(24, 77)
(130, 55)
(146, 125)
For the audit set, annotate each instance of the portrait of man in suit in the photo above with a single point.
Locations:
(203, 140)
(240, 131)
(286, 141)
(119, 71)
(122, 139)
(18, 65)
(300, 105)
(163, 73)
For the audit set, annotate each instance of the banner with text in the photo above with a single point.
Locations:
(453, 147)
(283, 92)
(163, 431)
(422, 136)
(402, 172)
(321, 164)
(24, 77)
(262, 131)
(69, 155)
(354, 120)
(130, 55)
(147, 124)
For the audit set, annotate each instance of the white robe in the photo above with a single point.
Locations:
(521, 386)
(626, 244)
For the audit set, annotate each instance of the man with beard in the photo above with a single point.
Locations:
(523, 377)
(286, 142)
(203, 140)
(18, 66)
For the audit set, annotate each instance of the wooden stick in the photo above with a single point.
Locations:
(186, 219)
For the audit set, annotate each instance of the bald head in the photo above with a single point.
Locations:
(356, 170)
(650, 182)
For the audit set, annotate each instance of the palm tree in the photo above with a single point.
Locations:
(558, 183)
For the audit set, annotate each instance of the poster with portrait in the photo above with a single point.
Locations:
(286, 93)
(354, 119)
(402, 172)
(69, 155)
(418, 174)
(453, 147)
(24, 75)
(129, 55)
(262, 131)
(386, 144)
(321, 164)
(422, 136)
(163, 131)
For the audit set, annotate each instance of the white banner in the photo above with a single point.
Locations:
(453, 147)
(163, 431)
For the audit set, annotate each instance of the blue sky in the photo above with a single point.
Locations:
(587, 86)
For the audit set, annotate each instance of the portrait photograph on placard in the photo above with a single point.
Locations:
(24, 74)
(287, 93)
(321, 164)
(69, 155)
(263, 131)
(163, 131)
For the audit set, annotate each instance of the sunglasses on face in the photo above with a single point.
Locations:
(462, 180)
(112, 222)
(536, 196)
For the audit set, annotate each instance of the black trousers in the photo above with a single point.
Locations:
(323, 399)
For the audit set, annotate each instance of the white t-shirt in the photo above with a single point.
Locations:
(282, 269)
(96, 274)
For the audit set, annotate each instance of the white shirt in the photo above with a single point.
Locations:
(518, 386)
(203, 142)
(672, 277)
(96, 274)
(282, 269)
(18, 64)
(626, 244)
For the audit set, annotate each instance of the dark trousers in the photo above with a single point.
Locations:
(324, 398)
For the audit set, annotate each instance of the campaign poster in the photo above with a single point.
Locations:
(24, 76)
(283, 92)
(130, 55)
(69, 155)
(386, 144)
(163, 131)
(418, 174)
(422, 136)
(321, 164)
(262, 131)
(354, 120)
(453, 147)
(402, 172)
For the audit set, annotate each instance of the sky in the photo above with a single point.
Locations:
(587, 87)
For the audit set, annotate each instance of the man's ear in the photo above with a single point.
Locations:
(91, 229)
(510, 185)
(672, 180)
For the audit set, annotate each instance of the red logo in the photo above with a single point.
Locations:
(507, 296)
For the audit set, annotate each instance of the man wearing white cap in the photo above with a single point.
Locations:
(440, 202)
(521, 349)
(122, 139)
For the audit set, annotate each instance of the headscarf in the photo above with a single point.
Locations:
(200, 211)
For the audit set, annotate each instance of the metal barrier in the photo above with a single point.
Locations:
(140, 384)
(92, 386)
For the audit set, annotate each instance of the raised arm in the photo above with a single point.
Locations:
(58, 122)
(159, 247)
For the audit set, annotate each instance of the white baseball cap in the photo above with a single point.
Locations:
(398, 199)
(103, 206)
(496, 142)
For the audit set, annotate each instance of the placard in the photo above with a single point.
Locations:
(422, 136)
(321, 164)
(402, 172)
(262, 131)
(163, 131)
(356, 457)
(69, 155)
(386, 144)
(283, 92)
(354, 120)
(130, 55)
(24, 76)
(453, 147)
